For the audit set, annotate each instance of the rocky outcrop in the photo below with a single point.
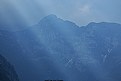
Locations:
(7, 72)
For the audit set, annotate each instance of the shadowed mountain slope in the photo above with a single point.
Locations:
(58, 49)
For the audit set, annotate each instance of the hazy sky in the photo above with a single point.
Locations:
(79, 11)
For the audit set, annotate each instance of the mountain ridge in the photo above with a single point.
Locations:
(54, 18)
(58, 49)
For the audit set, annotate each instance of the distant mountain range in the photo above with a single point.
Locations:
(58, 49)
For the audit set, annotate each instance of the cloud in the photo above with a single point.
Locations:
(85, 9)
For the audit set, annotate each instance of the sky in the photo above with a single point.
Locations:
(81, 12)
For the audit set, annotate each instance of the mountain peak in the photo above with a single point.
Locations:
(50, 17)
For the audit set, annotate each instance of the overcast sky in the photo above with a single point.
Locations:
(81, 12)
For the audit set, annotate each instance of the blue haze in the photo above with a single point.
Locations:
(81, 12)
(81, 42)
(57, 49)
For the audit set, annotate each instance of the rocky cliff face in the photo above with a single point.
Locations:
(58, 49)
(7, 72)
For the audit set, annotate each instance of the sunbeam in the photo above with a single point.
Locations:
(47, 40)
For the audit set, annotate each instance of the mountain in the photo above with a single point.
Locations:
(57, 49)
(7, 72)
